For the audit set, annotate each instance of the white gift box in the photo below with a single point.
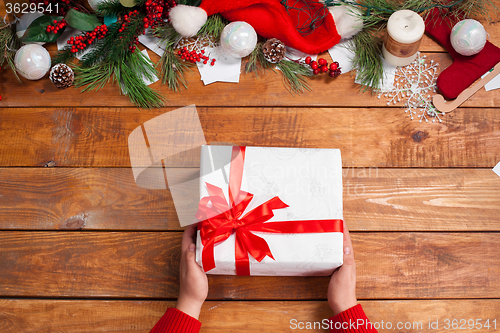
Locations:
(309, 181)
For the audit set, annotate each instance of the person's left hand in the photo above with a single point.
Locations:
(193, 280)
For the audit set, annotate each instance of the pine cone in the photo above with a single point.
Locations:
(274, 50)
(62, 76)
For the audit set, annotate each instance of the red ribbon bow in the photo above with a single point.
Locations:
(221, 219)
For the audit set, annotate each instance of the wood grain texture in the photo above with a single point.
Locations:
(86, 316)
(374, 200)
(145, 265)
(367, 137)
(83, 198)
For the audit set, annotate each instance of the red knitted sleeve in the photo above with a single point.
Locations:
(175, 321)
(352, 320)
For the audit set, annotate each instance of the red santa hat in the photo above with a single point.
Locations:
(271, 19)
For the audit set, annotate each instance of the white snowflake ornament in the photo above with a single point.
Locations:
(415, 84)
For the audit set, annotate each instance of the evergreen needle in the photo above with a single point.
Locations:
(294, 76)
(9, 44)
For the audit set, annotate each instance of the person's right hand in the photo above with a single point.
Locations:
(193, 280)
(342, 287)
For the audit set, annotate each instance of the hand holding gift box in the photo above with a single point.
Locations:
(270, 211)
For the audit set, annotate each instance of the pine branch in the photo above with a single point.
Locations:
(93, 78)
(171, 68)
(367, 59)
(294, 76)
(128, 73)
(256, 61)
(64, 56)
(213, 26)
(101, 49)
(9, 43)
(111, 7)
(478, 8)
(119, 48)
(133, 85)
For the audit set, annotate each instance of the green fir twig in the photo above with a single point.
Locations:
(111, 60)
(213, 27)
(128, 73)
(94, 78)
(9, 44)
(294, 76)
(111, 7)
(256, 62)
(170, 67)
(367, 48)
(101, 49)
(133, 85)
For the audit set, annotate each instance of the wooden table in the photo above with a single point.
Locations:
(83, 249)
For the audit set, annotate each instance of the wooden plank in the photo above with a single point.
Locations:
(86, 316)
(374, 200)
(145, 265)
(84, 198)
(366, 137)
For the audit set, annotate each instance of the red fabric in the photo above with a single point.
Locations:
(465, 69)
(175, 321)
(270, 19)
(352, 320)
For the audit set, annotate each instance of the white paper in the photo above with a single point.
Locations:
(493, 84)
(225, 69)
(62, 41)
(151, 42)
(294, 54)
(308, 180)
(343, 56)
(144, 78)
(496, 169)
(389, 76)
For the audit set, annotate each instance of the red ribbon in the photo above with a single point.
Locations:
(221, 219)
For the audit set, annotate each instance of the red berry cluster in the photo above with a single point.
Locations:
(133, 44)
(321, 66)
(195, 57)
(126, 20)
(334, 69)
(155, 9)
(57, 26)
(80, 42)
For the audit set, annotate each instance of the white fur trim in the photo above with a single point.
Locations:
(347, 20)
(187, 20)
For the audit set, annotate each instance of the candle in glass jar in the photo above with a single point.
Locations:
(405, 29)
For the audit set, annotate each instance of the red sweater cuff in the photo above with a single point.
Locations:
(352, 320)
(175, 321)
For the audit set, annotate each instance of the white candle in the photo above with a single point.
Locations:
(405, 29)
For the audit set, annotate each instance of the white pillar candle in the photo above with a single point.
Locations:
(405, 29)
